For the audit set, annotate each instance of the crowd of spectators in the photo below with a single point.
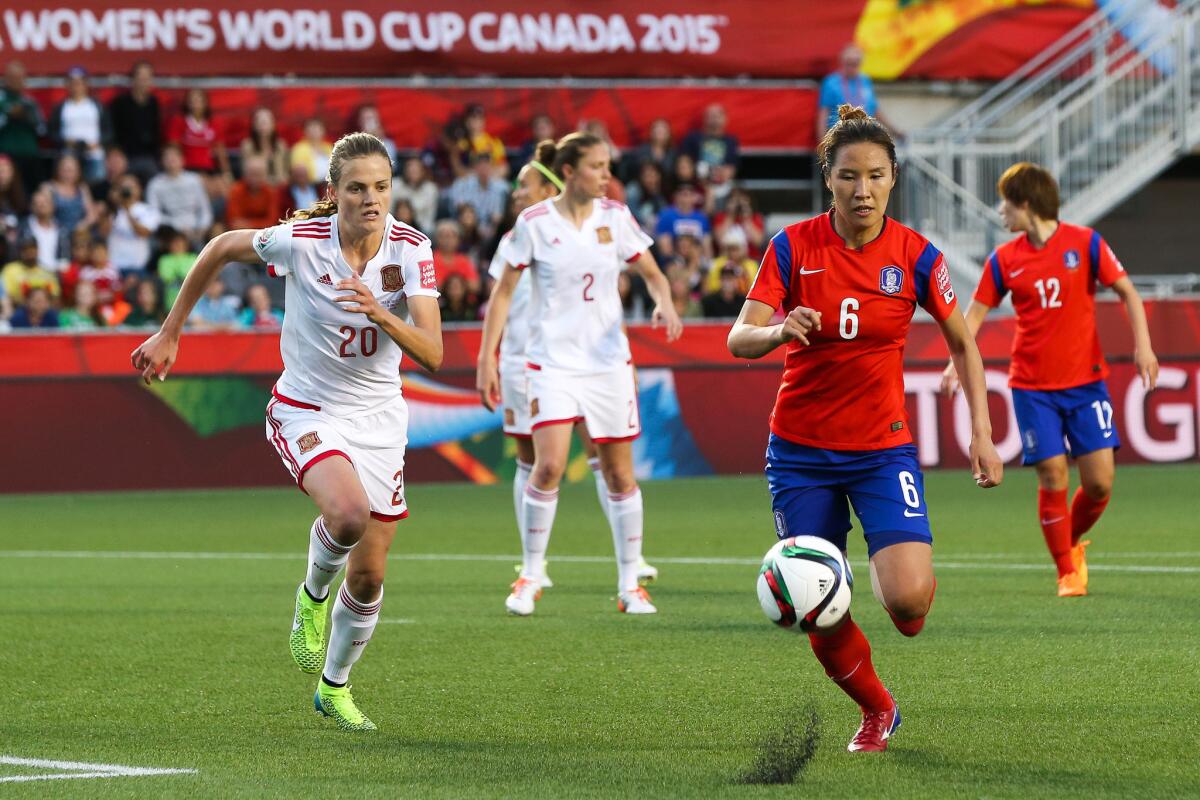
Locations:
(104, 207)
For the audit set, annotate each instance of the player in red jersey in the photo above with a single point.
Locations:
(1057, 371)
(851, 280)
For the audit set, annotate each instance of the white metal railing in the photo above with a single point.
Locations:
(1105, 109)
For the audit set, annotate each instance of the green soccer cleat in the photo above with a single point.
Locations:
(307, 641)
(337, 704)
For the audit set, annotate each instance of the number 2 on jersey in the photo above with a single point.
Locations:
(368, 340)
(588, 279)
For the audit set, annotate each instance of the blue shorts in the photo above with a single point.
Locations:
(1081, 415)
(812, 490)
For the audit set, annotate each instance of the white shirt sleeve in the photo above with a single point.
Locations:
(496, 269)
(632, 241)
(516, 247)
(420, 278)
(274, 246)
(146, 215)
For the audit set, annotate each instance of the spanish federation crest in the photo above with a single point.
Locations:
(1071, 259)
(891, 280)
(393, 279)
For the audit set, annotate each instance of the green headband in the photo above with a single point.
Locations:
(549, 175)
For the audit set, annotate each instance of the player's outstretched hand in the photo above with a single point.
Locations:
(360, 300)
(950, 380)
(487, 381)
(1147, 366)
(800, 322)
(670, 317)
(155, 356)
(986, 465)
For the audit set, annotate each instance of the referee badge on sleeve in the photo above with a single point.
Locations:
(604, 235)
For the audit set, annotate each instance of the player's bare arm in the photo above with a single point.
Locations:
(976, 313)
(487, 374)
(1143, 354)
(660, 290)
(986, 466)
(420, 341)
(156, 355)
(752, 337)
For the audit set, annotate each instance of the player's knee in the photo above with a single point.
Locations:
(1052, 478)
(547, 472)
(1097, 489)
(620, 480)
(911, 604)
(365, 583)
(346, 519)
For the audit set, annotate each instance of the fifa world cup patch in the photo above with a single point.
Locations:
(308, 441)
(533, 407)
(393, 278)
(897, 426)
(510, 417)
(781, 529)
(604, 235)
(428, 275)
(891, 280)
(942, 277)
(265, 237)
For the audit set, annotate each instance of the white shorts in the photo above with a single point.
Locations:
(374, 445)
(605, 401)
(514, 385)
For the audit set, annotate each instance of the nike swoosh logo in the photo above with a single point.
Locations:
(908, 513)
(804, 271)
(1052, 521)
(1016, 272)
(1107, 434)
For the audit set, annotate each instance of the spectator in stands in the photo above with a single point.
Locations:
(657, 149)
(299, 192)
(180, 197)
(541, 127)
(645, 196)
(470, 236)
(312, 152)
(52, 238)
(174, 265)
(37, 311)
(147, 305)
(133, 225)
(13, 205)
(682, 296)
(79, 125)
(733, 255)
(257, 312)
(690, 254)
(447, 260)
(714, 151)
(469, 140)
(402, 210)
(416, 186)
(116, 166)
(369, 121)
(99, 271)
(200, 141)
(847, 85)
(85, 315)
(264, 141)
(26, 273)
(215, 310)
(739, 212)
(684, 171)
(73, 205)
(252, 202)
(726, 302)
(81, 253)
(21, 125)
(458, 305)
(481, 190)
(137, 122)
(682, 217)
(6, 310)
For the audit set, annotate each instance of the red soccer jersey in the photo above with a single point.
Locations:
(845, 390)
(1053, 291)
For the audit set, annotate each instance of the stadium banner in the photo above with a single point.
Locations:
(613, 38)
(80, 421)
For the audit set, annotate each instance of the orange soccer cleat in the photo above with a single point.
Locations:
(1073, 584)
(1079, 559)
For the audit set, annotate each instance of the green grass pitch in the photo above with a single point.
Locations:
(154, 660)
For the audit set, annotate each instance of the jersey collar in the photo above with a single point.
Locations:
(837, 240)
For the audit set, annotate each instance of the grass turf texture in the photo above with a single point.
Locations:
(1009, 692)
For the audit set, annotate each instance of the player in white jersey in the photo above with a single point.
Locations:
(337, 417)
(535, 183)
(579, 365)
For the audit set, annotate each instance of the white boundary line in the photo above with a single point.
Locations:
(69, 770)
(950, 563)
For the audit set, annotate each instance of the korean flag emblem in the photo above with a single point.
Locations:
(1071, 259)
(891, 280)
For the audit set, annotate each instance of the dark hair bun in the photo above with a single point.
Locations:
(545, 152)
(847, 112)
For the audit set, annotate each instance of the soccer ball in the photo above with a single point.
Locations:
(805, 583)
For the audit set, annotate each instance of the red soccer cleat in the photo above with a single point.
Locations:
(875, 730)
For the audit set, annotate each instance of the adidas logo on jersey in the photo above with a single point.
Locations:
(556, 240)
(325, 280)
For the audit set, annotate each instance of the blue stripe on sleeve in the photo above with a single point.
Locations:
(923, 269)
(783, 257)
(1094, 254)
(997, 275)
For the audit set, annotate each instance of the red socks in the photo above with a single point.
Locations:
(1056, 527)
(1084, 513)
(846, 656)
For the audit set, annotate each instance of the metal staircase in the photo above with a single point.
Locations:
(1105, 109)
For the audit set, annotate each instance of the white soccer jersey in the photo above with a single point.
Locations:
(332, 358)
(575, 310)
(516, 332)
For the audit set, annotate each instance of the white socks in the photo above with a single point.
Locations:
(601, 487)
(625, 516)
(351, 626)
(537, 518)
(520, 479)
(325, 560)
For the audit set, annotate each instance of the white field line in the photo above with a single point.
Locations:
(69, 770)
(980, 566)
